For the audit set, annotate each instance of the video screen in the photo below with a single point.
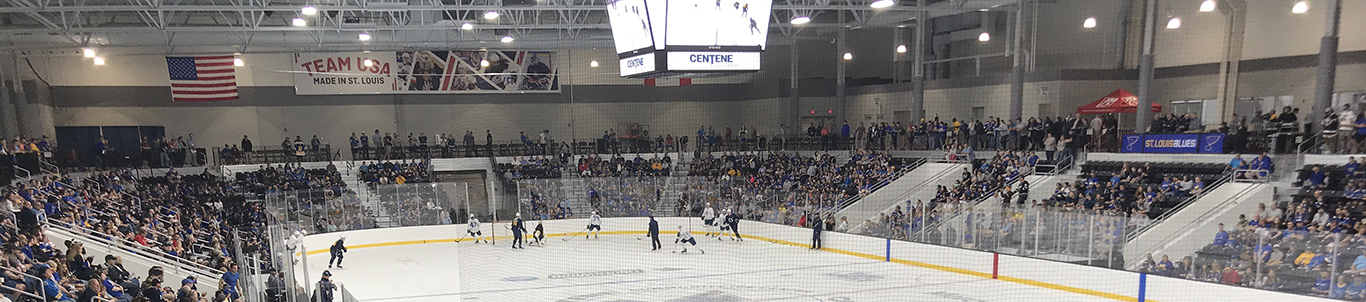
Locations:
(735, 24)
(631, 27)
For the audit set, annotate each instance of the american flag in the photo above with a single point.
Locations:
(208, 78)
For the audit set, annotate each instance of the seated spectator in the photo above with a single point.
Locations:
(1220, 238)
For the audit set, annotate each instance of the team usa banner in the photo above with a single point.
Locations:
(419, 72)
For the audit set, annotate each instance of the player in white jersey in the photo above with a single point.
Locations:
(594, 225)
(474, 230)
(686, 237)
(725, 213)
(708, 220)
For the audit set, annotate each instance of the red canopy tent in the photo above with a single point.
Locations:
(1119, 101)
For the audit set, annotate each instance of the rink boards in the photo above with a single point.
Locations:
(1066, 280)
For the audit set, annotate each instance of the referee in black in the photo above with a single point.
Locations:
(817, 224)
(654, 234)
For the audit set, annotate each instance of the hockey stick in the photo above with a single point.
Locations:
(574, 234)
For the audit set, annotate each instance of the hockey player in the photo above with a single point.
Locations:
(517, 228)
(539, 234)
(336, 251)
(594, 225)
(722, 221)
(686, 237)
(733, 223)
(474, 230)
(708, 220)
(817, 224)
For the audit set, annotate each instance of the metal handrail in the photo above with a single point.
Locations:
(989, 193)
(902, 172)
(1257, 180)
(1235, 197)
(16, 290)
(923, 184)
(133, 247)
(27, 175)
(1184, 203)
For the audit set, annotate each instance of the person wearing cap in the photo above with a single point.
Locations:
(518, 227)
(337, 249)
(187, 292)
(325, 287)
(51, 288)
(654, 234)
(151, 290)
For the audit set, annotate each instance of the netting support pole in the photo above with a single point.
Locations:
(889, 249)
(1142, 287)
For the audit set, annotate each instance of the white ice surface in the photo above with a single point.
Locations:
(622, 268)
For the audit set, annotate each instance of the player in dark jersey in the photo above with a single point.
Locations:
(517, 228)
(336, 251)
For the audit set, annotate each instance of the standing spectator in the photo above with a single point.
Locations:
(469, 143)
(246, 144)
(324, 289)
(488, 137)
(355, 145)
(1346, 127)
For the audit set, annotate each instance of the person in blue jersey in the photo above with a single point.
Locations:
(337, 251)
(1220, 238)
(474, 230)
(733, 222)
(518, 227)
(1323, 284)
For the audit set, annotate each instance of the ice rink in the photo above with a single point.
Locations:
(623, 268)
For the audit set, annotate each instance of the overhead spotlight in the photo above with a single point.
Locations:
(493, 14)
(799, 20)
(593, 64)
(310, 10)
(99, 61)
(88, 52)
(882, 3)
(507, 39)
(1208, 6)
(238, 62)
(848, 56)
(901, 48)
(1300, 7)
(364, 37)
(984, 37)
(300, 22)
(484, 63)
(1089, 23)
(467, 26)
(368, 63)
(1174, 23)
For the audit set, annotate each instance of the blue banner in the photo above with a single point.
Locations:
(1173, 143)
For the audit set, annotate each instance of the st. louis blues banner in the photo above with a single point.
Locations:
(425, 72)
(1212, 143)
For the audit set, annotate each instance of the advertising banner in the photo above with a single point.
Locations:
(1173, 143)
(418, 72)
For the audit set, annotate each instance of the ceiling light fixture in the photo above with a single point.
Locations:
(484, 63)
(901, 48)
(467, 26)
(310, 10)
(799, 20)
(364, 37)
(368, 63)
(238, 62)
(1208, 6)
(493, 14)
(1300, 7)
(99, 61)
(848, 56)
(1089, 23)
(507, 39)
(300, 22)
(882, 3)
(593, 64)
(1174, 23)
(88, 52)
(984, 37)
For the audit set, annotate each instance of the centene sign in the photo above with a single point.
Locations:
(694, 60)
(638, 64)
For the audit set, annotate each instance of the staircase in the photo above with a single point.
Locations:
(918, 184)
(1190, 229)
(367, 197)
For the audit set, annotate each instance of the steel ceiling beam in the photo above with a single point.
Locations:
(324, 9)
